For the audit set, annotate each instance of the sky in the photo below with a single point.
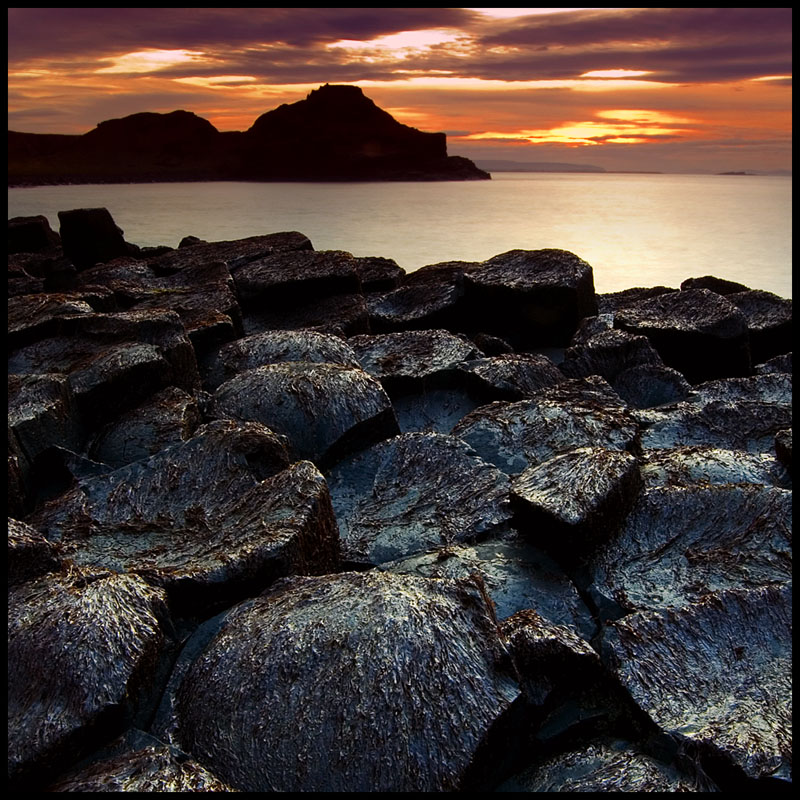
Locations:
(662, 89)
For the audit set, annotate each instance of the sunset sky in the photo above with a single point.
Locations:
(669, 89)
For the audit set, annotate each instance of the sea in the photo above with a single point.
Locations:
(634, 229)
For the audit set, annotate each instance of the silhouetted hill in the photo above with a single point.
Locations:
(336, 133)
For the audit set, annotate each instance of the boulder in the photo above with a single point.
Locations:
(30, 554)
(323, 409)
(651, 385)
(415, 493)
(778, 364)
(715, 674)
(532, 297)
(510, 376)
(378, 274)
(211, 519)
(608, 304)
(681, 542)
(714, 284)
(31, 235)
(695, 331)
(356, 682)
(89, 236)
(783, 448)
(83, 652)
(339, 315)
(769, 322)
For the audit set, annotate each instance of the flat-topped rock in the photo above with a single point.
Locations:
(769, 322)
(31, 235)
(510, 376)
(396, 682)
(90, 236)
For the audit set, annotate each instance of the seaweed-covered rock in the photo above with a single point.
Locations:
(211, 519)
(576, 499)
(532, 297)
(769, 322)
(272, 347)
(351, 682)
(168, 417)
(29, 553)
(515, 436)
(83, 649)
(415, 493)
(89, 236)
(516, 574)
(510, 376)
(679, 543)
(716, 673)
(614, 766)
(323, 409)
(696, 331)
(149, 769)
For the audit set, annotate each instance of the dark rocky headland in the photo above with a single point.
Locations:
(335, 134)
(287, 520)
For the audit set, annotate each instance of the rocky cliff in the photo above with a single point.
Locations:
(335, 134)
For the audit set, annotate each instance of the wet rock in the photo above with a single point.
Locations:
(113, 361)
(272, 347)
(717, 285)
(702, 466)
(576, 499)
(769, 322)
(511, 376)
(609, 304)
(532, 297)
(89, 236)
(783, 448)
(210, 519)
(515, 436)
(778, 364)
(679, 543)
(395, 684)
(296, 276)
(607, 354)
(21, 280)
(413, 360)
(29, 553)
(168, 417)
(695, 331)
(378, 274)
(716, 674)
(771, 387)
(651, 385)
(517, 576)
(323, 409)
(31, 235)
(149, 769)
(340, 315)
(614, 766)
(434, 411)
(83, 650)
(415, 493)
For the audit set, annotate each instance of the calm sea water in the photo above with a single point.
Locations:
(635, 230)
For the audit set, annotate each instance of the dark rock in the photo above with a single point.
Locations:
(605, 767)
(210, 519)
(651, 385)
(491, 345)
(573, 501)
(378, 274)
(31, 235)
(532, 297)
(415, 493)
(295, 276)
(414, 360)
(590, 327)
(395, 685)
(716, 674)
(511, 376)
(609, 304)
(21, 280)
(89, 236)
(772, 388)
(696, 331)
(273, 347)
(717, 285)
(769, 322)
(168, 417)
(29, 553)
(778, 364)
(323, 409)
(113, 361)
(517, 576)
(190, 241)
(783, 448)
(432, 411)
(83, 650)
(607, 354)
(515, 436)
(679, 543)
(703, 466)
(150, 769)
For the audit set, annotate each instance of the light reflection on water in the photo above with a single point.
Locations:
(635, 230)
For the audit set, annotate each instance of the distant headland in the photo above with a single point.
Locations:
(335, 134)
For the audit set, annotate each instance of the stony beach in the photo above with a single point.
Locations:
(288, 520)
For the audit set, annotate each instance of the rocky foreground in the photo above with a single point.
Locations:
(290, 520)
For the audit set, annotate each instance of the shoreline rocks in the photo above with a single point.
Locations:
(290, 520)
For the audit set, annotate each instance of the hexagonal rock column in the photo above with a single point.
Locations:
(532, 297)
(415, 493)
(323, 409)
(697, 332)
(83, 648)
(356, 682)
(716, 673)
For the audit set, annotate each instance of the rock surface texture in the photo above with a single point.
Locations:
(290, 520)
